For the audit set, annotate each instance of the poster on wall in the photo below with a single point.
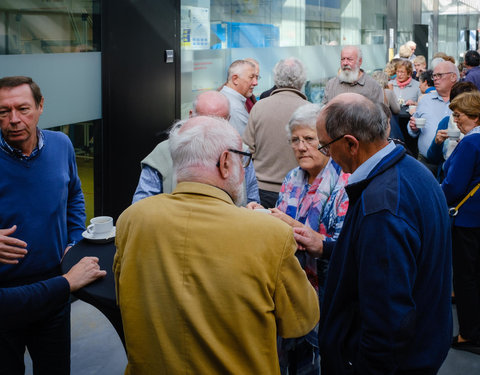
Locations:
(195, 26)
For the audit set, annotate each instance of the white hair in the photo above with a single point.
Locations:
(289, 72)
(237, 67)
(197, 148)
(304, 116)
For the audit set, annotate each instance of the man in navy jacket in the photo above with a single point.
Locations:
(387, 299)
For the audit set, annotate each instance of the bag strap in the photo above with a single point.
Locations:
(454, 210)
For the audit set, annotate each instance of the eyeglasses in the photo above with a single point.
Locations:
(308, 141)
(325, 149)
(440, 75)
(456, 115)
(246, 159)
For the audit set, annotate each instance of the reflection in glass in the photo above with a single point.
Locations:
(43, 26)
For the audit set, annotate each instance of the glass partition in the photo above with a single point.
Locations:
(217, 32)
(41, 39)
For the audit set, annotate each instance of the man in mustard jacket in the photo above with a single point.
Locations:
(204, 287)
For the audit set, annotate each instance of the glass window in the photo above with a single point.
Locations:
(70, 82)
(49, 26)
(217, 32)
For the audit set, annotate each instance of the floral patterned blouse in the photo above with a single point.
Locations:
(321, 206)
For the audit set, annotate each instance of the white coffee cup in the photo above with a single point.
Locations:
(412, 109)
(420, 122)
(453, 133)
(100, 225)
(264, 210)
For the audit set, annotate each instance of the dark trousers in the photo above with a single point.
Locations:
(466, 280)
(47, 341)
(268, 199)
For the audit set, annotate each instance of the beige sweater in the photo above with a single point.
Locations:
(267, 137)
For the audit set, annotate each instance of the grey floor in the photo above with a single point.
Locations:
(96, 348)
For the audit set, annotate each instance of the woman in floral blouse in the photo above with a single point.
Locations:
(313, 195)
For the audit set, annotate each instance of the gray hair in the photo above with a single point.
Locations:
(381, 77)
(289, 72)
(304, 116)
(357, 48)
(236, 68)
(198, 147)
(365, 120)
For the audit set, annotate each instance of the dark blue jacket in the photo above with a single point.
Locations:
(387, 299)
(462, 174)
(473, 75)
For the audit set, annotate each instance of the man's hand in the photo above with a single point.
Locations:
(309, 240)
(254, 206)
(11, 249)
(83, 273)
(284, 217)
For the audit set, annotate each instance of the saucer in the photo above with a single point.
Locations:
(104, 238)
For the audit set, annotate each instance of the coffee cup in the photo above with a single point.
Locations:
(412, 109)
(100, 225)
(420, 122)
(453, 133)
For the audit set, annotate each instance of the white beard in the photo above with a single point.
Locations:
(348, 75)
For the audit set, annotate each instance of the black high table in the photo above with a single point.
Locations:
(100, 293)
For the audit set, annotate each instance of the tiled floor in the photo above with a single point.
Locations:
(97, 350)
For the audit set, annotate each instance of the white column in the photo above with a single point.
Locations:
(292, 26)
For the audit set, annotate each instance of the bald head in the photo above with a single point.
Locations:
(445, 75)
(211, 103)
(356, 115)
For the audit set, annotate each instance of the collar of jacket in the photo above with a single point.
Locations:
(289, 89)
(355, 190)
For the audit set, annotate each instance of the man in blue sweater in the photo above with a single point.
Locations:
(42, 214)
(387, 297)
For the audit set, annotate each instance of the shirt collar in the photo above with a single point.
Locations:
(362, 172)
(12, 151)
(430, 89)
(235, 93)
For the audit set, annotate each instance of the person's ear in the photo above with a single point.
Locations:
(225, 164)
(352, 144)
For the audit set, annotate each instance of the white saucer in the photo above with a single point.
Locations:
(104, 238)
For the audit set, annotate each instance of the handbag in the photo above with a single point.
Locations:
(454, 210)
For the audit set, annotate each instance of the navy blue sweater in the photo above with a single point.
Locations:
(23, 304)
(43, 197)
(387, 299)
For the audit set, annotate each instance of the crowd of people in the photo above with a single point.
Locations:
(268, 235)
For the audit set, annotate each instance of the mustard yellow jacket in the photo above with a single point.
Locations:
(204, 287)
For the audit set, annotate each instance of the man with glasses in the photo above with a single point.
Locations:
(433, 108)
(203, 286)
(157, 174)
(386, 308)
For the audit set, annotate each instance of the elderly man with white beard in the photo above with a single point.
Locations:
(351, 78)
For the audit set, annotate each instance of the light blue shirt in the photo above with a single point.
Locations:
(238, 111)
(150, 183)
(362, 172)
(433, 109)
